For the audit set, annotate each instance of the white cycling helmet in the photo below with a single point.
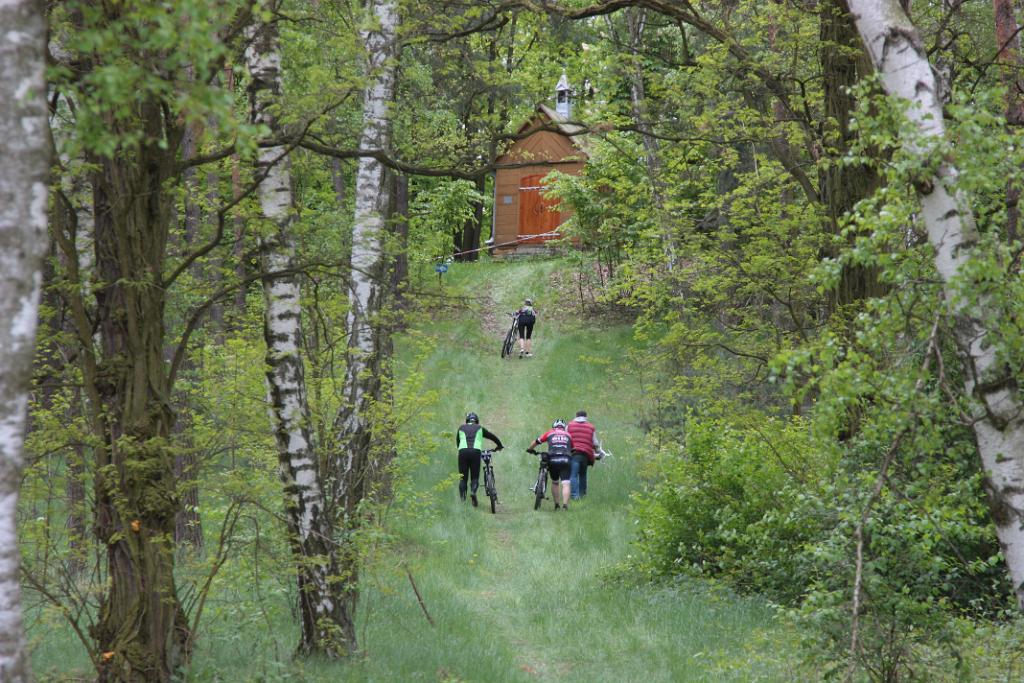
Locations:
(558, 423)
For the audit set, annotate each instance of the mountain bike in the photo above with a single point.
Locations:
(510, 339)
(541, 487)
(489, 488)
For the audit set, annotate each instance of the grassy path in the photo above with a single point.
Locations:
(522, 595)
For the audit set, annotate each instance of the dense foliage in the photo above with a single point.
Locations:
(754, 323)
(769, 309)
(750, 204)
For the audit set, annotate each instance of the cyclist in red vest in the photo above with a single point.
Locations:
(470, 440)
(585, 447)
(558, 457)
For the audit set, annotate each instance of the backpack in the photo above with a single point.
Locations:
(526, 316)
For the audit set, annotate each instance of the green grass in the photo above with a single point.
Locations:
(523, 595)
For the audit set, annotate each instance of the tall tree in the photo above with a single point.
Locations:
(355, 465)
(899, 55)
(636, 24)
(188, 527)
(130, 131)
(1010, 62)
(842, 184)
(1009, 59)
(23, 243)
(310, 529)
(141, 620)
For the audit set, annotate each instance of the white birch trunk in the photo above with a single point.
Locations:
(367, 335)
(896, 50)
(23, 242)
(310, 527)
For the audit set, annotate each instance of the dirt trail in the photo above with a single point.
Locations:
(493, 322)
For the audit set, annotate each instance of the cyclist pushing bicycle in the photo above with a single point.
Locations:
(470, 440)
(558, 459)
(525, 317)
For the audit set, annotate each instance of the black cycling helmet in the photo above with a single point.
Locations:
(558, 423)
(471, 417)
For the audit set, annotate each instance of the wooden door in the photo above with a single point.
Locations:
(537, 215)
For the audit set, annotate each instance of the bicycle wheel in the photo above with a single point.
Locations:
(509, 343)
(492, 491)
(539, 489)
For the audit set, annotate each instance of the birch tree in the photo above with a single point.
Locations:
(897, 52)
(353, 464)
(23, 197)
(326, 625)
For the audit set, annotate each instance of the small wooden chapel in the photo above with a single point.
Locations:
(523, 219)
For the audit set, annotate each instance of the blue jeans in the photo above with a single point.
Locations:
(578, 475)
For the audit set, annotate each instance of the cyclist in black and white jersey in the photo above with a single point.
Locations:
(558, 458)
(526, 316)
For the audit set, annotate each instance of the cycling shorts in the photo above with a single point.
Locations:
(558, 467)
(525, 330)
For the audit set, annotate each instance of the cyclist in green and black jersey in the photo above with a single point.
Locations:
(470, 440)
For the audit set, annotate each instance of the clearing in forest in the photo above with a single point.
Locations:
(528, 595)
(519, 596)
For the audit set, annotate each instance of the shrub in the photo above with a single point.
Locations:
(768, 507)
(735, 503)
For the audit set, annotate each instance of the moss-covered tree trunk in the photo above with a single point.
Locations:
(843, 62)
(141, 631)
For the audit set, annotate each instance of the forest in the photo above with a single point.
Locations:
(257, 259)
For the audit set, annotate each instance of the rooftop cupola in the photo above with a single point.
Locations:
(563, 97)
